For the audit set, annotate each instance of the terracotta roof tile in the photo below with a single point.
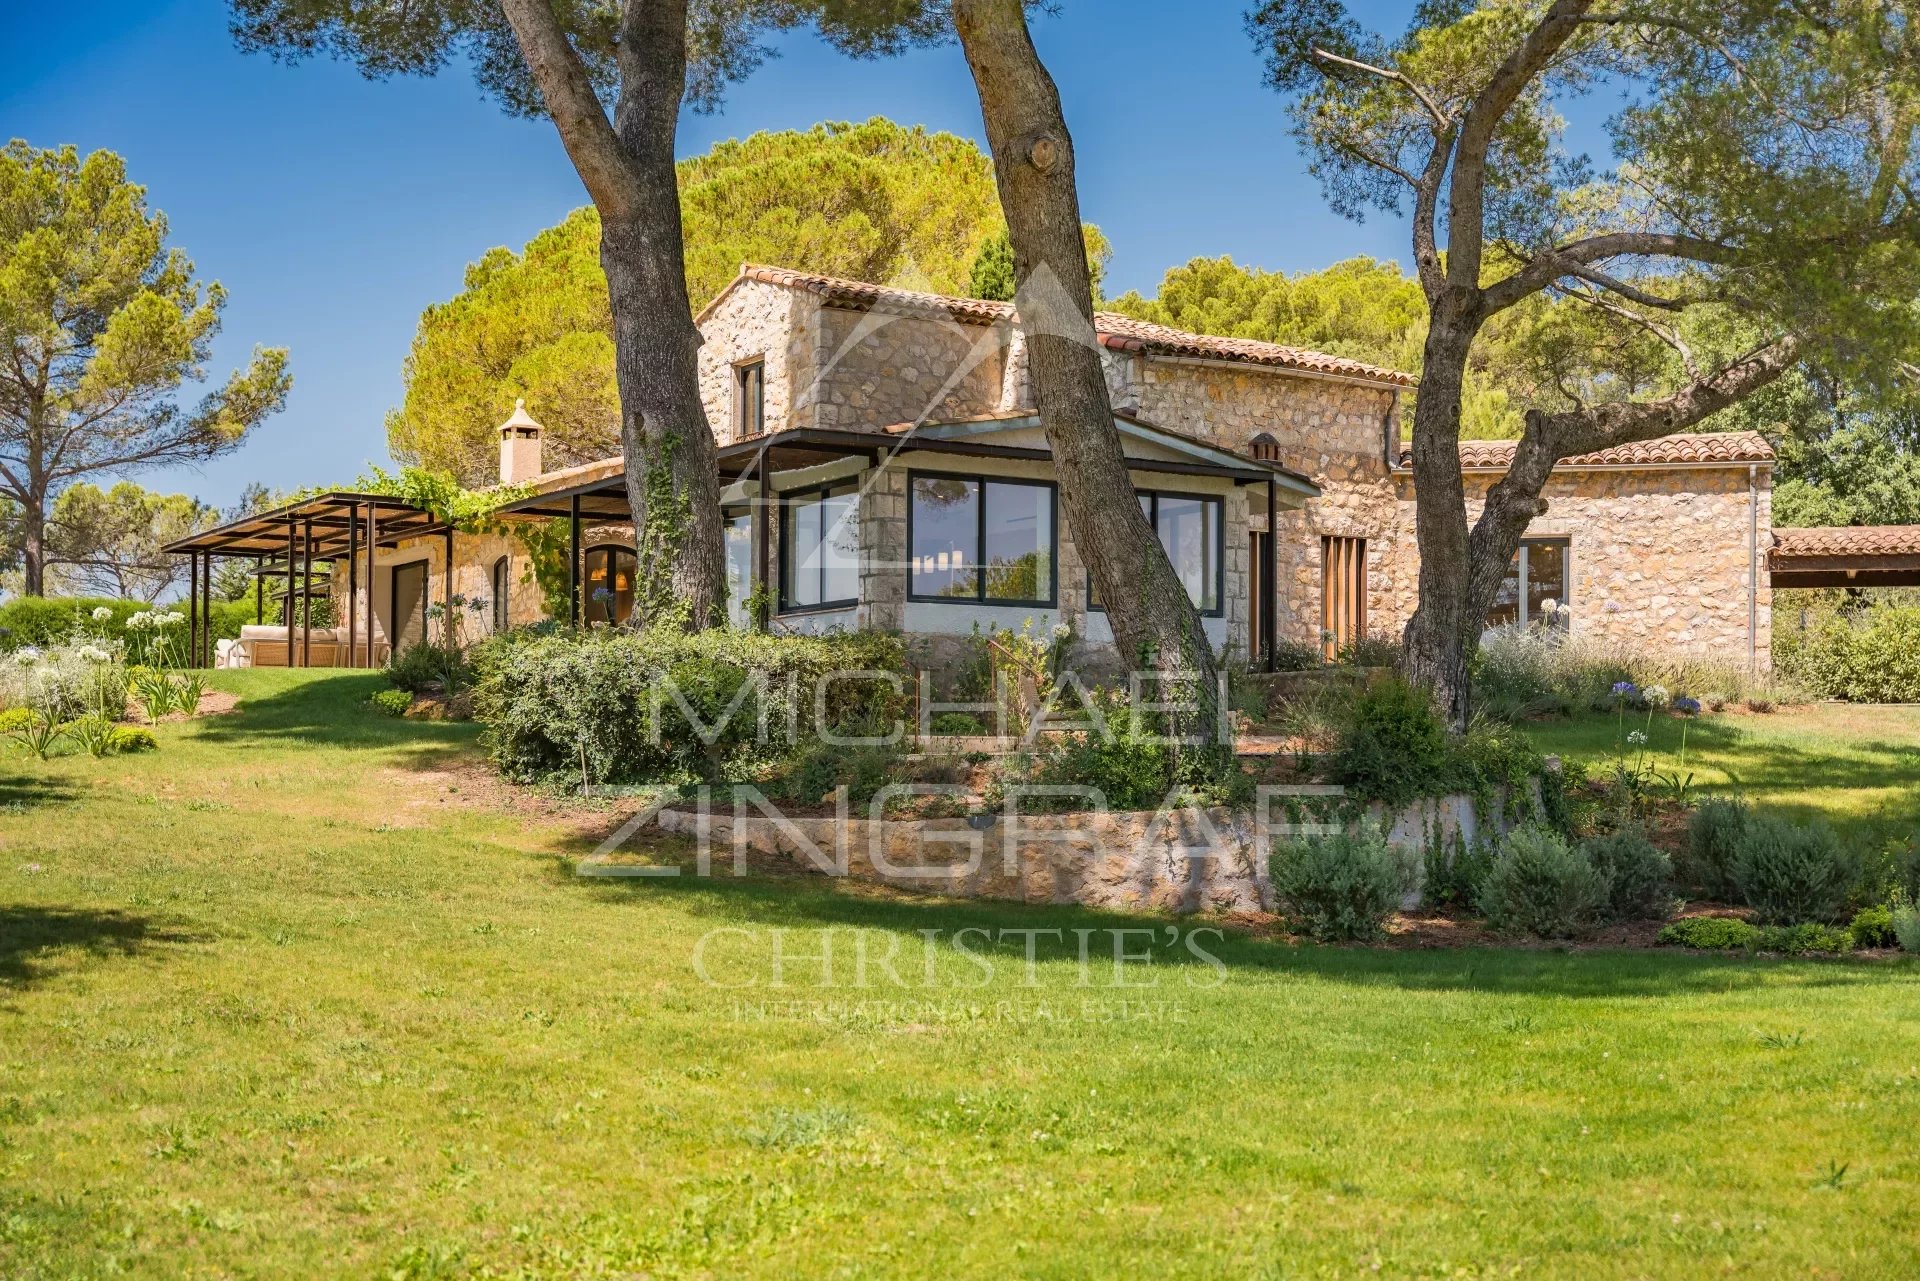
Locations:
(1703, 448)
(1848, 540)
(1120, 333)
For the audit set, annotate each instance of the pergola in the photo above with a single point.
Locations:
(602, 500)
(287, 543)
(1846, 556)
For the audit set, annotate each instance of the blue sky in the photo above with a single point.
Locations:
(334, 208)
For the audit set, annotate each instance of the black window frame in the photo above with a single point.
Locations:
(787, 500)
(587, 603)
(1522, 563)
(757, 370)
(499, 578)
(980, 596)
(1219, 546)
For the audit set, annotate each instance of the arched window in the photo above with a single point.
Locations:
(608, 596)
(502, 577)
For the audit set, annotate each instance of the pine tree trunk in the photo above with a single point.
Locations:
(1441, 636)
(34, 545)
(672, 481)
(1154, 621)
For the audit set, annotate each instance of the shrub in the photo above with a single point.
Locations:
(15, 718)
(1295, 656)
(1538, 884)
(1710, 933)
(1455, 868)
(1791, 873)
(425, 666)
(1872, 656)
(744, 700)
(1393, 747)
(391, 702)
(1906, 927)
(1803, 940)
(1130, 763)
(1638, 877)
(1715, 835)
(957, 723)
(1873, 927)
(822, 767)
(1369, 651)
(1342, 886)
(133, 738)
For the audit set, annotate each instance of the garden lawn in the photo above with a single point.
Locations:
(1857, 767)
(278, 1001)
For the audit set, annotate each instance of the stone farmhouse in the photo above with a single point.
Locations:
(883, 466)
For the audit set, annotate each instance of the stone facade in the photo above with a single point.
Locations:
(1662, 559)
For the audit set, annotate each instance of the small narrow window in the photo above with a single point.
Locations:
(749, 399)
(1343, 592)
(502, 573)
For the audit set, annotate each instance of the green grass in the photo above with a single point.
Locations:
(1856, 767)
(278, 1003)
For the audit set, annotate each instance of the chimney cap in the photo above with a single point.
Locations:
(521, 422)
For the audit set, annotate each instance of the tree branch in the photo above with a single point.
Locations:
(1439, 118)
(1565, 260)
(567, 92)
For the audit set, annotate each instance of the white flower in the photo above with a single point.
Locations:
(1656, 696)
(141, 621)
(172, 619)
(102, 614)
(94, 654)
(26, 656)
(1637, 739)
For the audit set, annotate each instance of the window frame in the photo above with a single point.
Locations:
(787, 499)
(499, 577)
(980, 597)
(1219, 546)
(757, 368)
(1522, 563)
(587, 603)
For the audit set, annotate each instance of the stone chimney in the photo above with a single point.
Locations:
(519, 446)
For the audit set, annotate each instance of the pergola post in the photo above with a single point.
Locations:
(1270, 603)
(306, 592)
(373, 547)
(206, 609)
(573, 562)
(353, 586)
(259, 594)
(764, 515)
(289, 596)
(193, 606)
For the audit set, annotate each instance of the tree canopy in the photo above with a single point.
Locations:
(873, 201)
(101, 326)
(106, 542)
(1756, 211)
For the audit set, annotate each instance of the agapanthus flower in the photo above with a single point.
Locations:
(173, 619)
(1637, 739)
(1656, 696)
(102, 614)
(1686, 706)
(1623, 689)
(94, 654)
(26, 656)
(140, 622)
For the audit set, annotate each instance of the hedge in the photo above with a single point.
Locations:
(1871, 658)
(41, 621)
(616, 703)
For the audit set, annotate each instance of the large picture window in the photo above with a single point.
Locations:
(820, 548)
(1192, 528)
(1537, 586)
(980, 539)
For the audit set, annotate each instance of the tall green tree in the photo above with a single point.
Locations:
(875, 201)
(101, 326)
(611, 75)
(1360, 308)
(107, 542)
(991, 275)
(1760, 184)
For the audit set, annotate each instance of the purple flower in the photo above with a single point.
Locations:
(1624, 689)
(1686, 706)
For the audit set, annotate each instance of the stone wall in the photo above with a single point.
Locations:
(1660, 558)
(1334, 432)
(758, 321)
(878, 370)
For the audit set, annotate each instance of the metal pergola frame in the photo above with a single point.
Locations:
(603, 500)
(287, 542)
